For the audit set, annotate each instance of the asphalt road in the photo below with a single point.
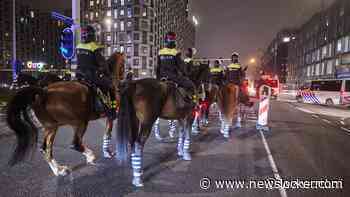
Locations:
(299, 146)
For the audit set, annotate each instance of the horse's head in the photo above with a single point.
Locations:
(116, 64)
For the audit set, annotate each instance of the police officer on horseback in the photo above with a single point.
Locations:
(234, 70)
(93, 68)
(217, 74)
(189, 63)
(170, 66)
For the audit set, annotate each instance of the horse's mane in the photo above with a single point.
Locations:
(112, 60)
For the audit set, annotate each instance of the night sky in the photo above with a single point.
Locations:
(246, 26)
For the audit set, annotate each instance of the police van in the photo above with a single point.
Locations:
(326, 92)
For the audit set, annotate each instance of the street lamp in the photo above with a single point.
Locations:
(195, 20)
(252, 61)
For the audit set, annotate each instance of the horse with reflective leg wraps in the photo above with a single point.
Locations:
(228, 100)
(49, 78)
(199, 74)
(142, 102)
(61, 103)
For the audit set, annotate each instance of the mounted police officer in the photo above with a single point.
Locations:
(217, 74)
(234, 70)
(170, 63)
(92, 65)
(189, 63)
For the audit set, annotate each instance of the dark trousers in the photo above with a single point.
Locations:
(102, 82)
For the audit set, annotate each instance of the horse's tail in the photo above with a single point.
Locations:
(126, 119)
(24, 128)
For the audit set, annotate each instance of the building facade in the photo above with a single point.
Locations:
(275, 59)
(37, 36)
(137, 28)
(322, 46)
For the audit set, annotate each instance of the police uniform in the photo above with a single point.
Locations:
(169, 67)
(91, 63)
(234, 73)
(216, 75)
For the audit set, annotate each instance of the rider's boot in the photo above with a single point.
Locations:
(112, 109)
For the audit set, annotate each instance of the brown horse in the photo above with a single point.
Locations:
(141, 103)
(227, 99)
(59, 104)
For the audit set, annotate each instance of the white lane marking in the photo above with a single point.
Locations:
(305, 110)
(315, 116)
(345, 129)
(342, 122)
(327, 121)
(273, 164)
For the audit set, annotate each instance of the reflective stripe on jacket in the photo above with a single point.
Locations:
(234, 66)
(216, 70)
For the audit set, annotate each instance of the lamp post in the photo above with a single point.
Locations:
(14, 56)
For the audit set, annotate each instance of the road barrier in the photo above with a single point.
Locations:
(264, 106)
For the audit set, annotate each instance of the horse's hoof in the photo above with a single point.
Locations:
(108, 154)
(180, 153)
(63, 171)
(187, 157)
(137, 182)
(159, 138)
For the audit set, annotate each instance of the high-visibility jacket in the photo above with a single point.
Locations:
(233, 73)
(233, 66)
(168, 63)
(216, 70)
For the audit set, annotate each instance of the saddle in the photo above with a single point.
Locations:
(101, 101)
(180, 95)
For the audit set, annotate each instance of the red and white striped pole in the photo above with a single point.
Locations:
(264, 106)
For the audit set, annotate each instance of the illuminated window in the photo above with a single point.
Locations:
(122, 2)
(109, 13)
(122, 48)
(122, 12)
(339, 45)
(96, 14)
(115, 13)
(129, 24)
(97, 2)
(91, 16)
(32, 14)
(122, 28)
(91, 3)
(109, 3)
(129, 12)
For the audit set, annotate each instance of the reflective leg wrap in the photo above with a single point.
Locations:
(186, 150)
(195, 126)
(156, 129)
(172, 128)
(226, 131)
(180, 145)
(239, 120)
(136, 163)
(106, 146)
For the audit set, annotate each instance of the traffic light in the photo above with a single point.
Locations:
(67, 43)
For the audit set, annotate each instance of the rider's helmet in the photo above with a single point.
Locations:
(235, 58)
(88, 34)
(170, 40)
(217, 63)
(191, 52)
